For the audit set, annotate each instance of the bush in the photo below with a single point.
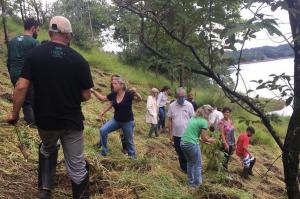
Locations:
(262, 138)
(214, 154)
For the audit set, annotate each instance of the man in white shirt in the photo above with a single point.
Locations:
(214, 119)
(180, 111)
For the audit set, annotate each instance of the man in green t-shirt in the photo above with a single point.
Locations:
(18, 49)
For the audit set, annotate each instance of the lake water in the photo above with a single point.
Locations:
(262, 70)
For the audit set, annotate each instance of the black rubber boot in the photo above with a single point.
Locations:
(251, 167)
(46, 174)
(81, 191)
(245, 173)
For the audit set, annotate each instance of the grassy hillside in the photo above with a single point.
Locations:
(155, 173)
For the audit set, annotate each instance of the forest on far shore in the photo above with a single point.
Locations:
(263, 53)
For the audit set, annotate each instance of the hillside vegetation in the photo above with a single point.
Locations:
(155, 173)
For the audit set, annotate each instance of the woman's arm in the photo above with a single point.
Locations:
(107, 108)
(205, 138)
(223, 136)
(99, 96)
(136, 95)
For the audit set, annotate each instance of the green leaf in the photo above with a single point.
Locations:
(236, 29)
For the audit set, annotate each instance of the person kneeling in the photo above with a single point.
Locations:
(190, 144)
(242, 151)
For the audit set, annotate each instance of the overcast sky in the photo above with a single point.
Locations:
(263, 38)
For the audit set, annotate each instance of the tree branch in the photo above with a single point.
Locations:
(152, 16)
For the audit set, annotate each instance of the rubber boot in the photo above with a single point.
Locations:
(81, 191)
(226, 160)
(46, 173)
(251, 167)
(245, 173)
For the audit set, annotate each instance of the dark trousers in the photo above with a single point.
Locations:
(28, 107)
(28, 104)
(153, 128)
(181, 157)
(162, 117)
(227, 154)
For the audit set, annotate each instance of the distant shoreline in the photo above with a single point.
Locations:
(265, 60)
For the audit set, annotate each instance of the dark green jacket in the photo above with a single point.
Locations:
(18, 49)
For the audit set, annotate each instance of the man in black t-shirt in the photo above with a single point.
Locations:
(62, 80)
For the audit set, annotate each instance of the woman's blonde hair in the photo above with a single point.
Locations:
(120, 80)
(203, 111)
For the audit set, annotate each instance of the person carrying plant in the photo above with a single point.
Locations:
(242, 151)
(196, 127)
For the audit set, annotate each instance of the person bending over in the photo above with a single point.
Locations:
(196, 127)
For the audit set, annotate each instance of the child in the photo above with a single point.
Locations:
(242, 151)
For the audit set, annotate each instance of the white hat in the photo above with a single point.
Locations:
(154, 90)
(60, 24)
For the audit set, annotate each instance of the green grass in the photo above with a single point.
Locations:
(155, 173)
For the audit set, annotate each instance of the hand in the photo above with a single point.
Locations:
(226, 146)
(133, 90)
(212, 141)
(11, 119)
(92, 90)
(171, 139)
(100, 116)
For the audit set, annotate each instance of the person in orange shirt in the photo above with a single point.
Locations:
(242, 151)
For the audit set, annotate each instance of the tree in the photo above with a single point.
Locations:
(190, 25)
(3, 10)
(291, 146)
(88, 18)
(245, 30)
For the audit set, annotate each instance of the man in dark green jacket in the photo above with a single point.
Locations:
(18, 49)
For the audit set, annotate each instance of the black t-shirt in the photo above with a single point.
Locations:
(123, 110)
(59, 75)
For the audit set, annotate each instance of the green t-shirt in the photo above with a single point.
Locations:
(18, 48)
(193, 130)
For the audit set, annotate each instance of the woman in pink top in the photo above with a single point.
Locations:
(227, 135)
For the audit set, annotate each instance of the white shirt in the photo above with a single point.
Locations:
(180, 116)
(214, 119)
(152, 110)
(162, 99)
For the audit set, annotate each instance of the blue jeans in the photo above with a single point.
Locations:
(192, 154)
(113, 125)
(162, 117)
